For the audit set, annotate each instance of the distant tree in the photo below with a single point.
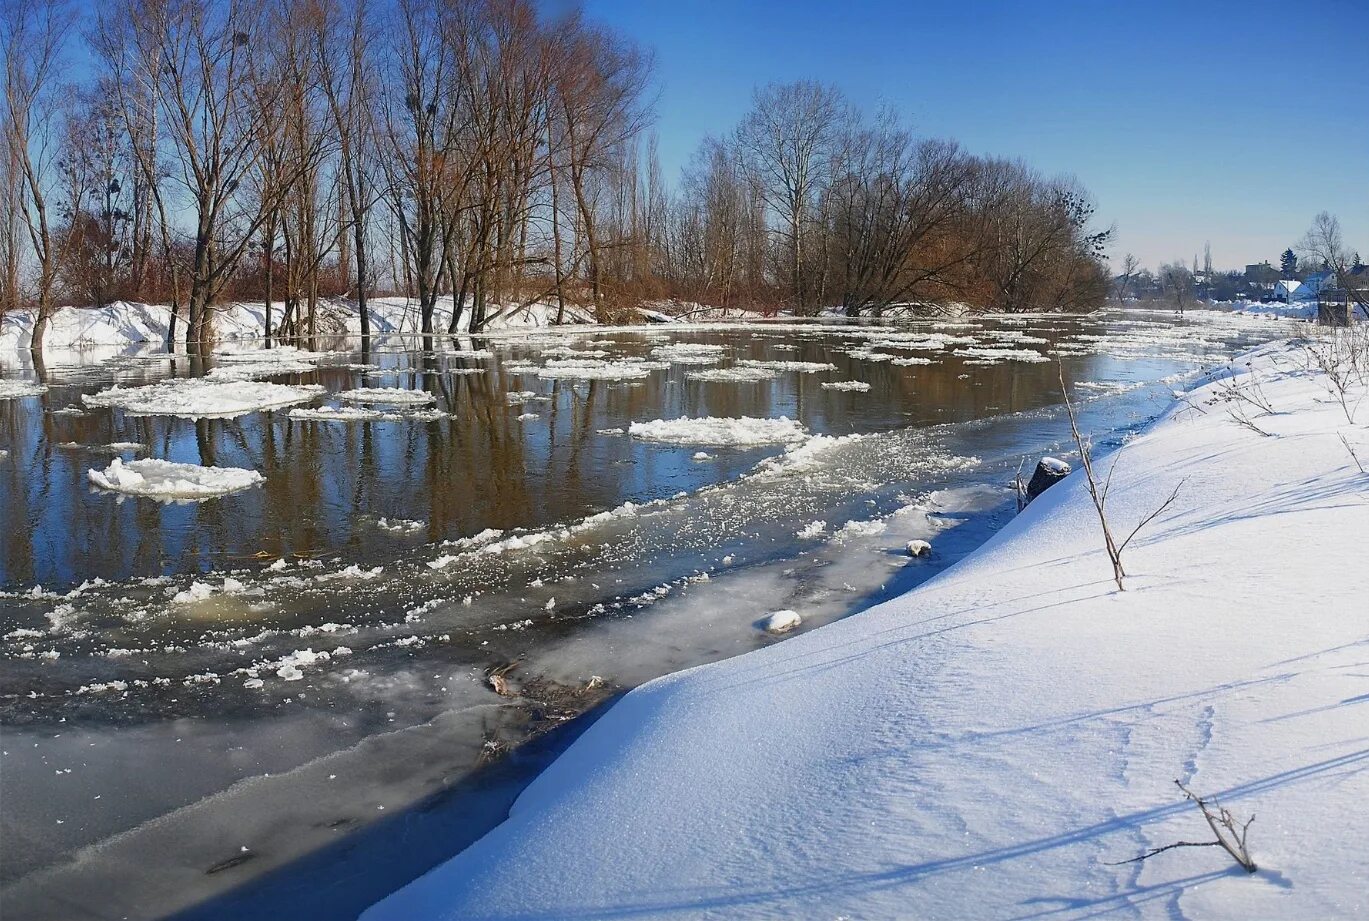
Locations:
(791, 134)
(1288, 264)
(1177, 282)
(1130, 264)
(1324, 243)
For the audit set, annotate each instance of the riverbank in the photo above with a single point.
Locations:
(996, 742)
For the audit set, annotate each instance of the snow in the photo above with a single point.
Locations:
(166, 481)
(13, 390)
(389, 396)
(918, 548)
(993, 743)
(199, 398)
(739, 432)
(1055, 465)
(780, 622)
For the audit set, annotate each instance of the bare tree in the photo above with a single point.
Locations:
(1324, 243)
(32, 33)
(1178, 282)
(1130, 265)
(787, 140)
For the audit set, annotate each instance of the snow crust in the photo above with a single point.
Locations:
(994, 743)
(172, 482)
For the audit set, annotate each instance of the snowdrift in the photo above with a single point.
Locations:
(994, 743)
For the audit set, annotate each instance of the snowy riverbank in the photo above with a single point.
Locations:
(124, 324)
(990, 744)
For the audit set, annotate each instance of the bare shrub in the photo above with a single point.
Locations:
(1099, 488)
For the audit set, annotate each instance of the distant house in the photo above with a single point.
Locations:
(1320, 282)
(1290, 290)
(1262, 274)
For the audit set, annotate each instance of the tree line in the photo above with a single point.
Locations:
(291, 151)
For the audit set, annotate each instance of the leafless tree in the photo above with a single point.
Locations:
(788, 141)
(1130, 265)
(1324, 243)
(1178, 282)
(32, 34)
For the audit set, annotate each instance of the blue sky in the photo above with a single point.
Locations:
(1229, 122)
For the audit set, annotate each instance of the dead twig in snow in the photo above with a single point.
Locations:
(1230, 837)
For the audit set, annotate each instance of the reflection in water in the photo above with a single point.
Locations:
(356, 674)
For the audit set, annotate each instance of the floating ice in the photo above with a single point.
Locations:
(170, 482)
(734, 374)
(803, 367)
(918, 548)
(779, 622)
(358, 414)
(852, 386)
(199, 398)
(689, 353)
(388, 396)
(11, 390)
(591, 370)
(743, 432)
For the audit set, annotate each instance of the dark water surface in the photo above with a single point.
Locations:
(162, 751)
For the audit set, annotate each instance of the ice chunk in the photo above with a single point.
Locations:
(852, 386)
(779, 622)
(389, 396)
(918, 548)
(11, 390)
(171, 482)
(743, 432)
(198, 398)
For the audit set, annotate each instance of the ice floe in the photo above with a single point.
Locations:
(166, 481)
(199, 398)
(740, 432)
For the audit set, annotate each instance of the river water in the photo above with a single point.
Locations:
(195, 698)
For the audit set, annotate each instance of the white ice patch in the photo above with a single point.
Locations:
(591, 370)
(359, 414)
(780, 622)
(387, 396)
(861, 529)
(739, 432)
(803, 367)
(852, 386)
(742, 375)
(689, 353)
(198, 398)
(171, 482)
(12, 390)
(813, 530)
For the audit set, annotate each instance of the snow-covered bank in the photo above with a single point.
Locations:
(123, 323)
(988, 745)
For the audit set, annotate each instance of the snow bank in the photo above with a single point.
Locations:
(740, 432)
(200, 398)
(172, 482)
(992, 744)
